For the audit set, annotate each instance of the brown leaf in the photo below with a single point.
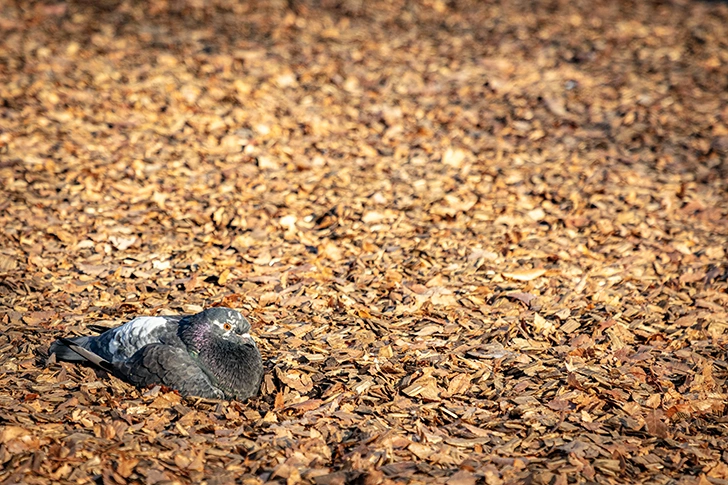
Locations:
(462, 477)
(429, 330)
(687, 320)
(125, 466)
(295, 379)
(308, 405)
(459, 384)
(8, 433)
(687, 278)
(525, 298)
(525, 274)
(198, 462)
(19, 440)
(122, 243)
(455, 157)
(182, 460)
(655, 425)
(573, 381)
(61, 472)
(421, 451)
(560, 404)
(224, 277)
(542, 326)
(166, 400)
(279, 402)
(36, 318)
(424, 387)
(7, 263)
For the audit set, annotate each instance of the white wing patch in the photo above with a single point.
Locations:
(134, 335)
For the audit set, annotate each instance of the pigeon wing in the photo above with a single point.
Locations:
(121, 343)
(170, 366)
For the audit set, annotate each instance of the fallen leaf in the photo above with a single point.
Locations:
(525, 274)
(655, 425)
(462, 477)
(122, 243)
(7, 263)
(459, 384)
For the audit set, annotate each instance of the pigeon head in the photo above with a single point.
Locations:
(218, 339)
(213, 324)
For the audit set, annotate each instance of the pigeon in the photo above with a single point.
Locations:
(210, 354)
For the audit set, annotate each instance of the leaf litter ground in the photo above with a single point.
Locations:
(480, 242)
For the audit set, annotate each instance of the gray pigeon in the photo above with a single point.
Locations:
(210, 354)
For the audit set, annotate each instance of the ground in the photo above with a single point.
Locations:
(479, 242)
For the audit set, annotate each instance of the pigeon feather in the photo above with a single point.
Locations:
(87, 354)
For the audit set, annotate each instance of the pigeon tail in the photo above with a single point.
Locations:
(64, 352)
(72, 350)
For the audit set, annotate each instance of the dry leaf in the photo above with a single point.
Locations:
(7, 263)
(425, 387)
(525, 274)
(421, 451)
(459, 384)
(655, 425)
(462, 478)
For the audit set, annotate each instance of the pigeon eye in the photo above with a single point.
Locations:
(227, 326)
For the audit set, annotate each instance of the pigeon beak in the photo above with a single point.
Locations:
(247, 339)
